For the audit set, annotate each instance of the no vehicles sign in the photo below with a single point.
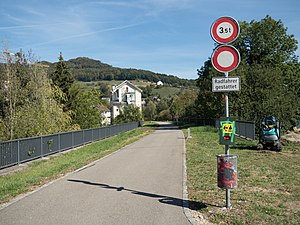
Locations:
(225, 58)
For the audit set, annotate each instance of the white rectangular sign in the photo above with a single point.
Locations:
(225, 84)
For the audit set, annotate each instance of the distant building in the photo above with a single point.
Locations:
(125, 93)
(106, 99)
(106, 115)
(159, 83)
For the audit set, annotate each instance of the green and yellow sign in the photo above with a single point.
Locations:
(227, 131)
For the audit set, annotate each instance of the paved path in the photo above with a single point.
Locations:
(138, 185)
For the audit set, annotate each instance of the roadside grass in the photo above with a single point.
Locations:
(268, 182)
(39, 172)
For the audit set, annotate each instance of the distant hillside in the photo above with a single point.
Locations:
(87, 70)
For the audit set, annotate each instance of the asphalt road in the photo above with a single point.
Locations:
(139, 185)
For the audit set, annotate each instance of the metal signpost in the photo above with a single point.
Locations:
(225, 59)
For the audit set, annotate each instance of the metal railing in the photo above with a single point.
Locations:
(26, 149)
(244, 129)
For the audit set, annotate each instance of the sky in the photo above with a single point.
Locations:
(163, 36)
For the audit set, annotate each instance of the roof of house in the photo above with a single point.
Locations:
(124, 83)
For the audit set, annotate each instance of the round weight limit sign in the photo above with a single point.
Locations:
(225, 30)
(225, 58)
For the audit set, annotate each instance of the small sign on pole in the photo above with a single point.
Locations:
(227, 131)
(225, 84)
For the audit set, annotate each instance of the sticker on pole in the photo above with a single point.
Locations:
(225, 58)
(225, 30)
(227, 128)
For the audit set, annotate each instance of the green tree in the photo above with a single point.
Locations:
(163, 104)
(64, 79)
(9, 93)
(208, 104)
(188, 98)
(164, 115)
(129, 113)
(85, 109)
(39, 113)
(147, 91)
(177, 108)
(28, 106)
(266, 42)
(150, 110)
(104, 90)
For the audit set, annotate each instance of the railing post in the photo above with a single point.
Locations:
(42, 152)
(59, 147)
(72, 139)
(18, 146)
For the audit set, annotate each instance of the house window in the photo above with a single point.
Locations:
(126, 90)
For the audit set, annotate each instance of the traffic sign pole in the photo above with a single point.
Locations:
(227, 146)
(225, 58)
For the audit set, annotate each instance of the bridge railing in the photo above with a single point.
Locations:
(22, 150)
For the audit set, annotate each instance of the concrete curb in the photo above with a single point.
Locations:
(185, 194)
(198, 218)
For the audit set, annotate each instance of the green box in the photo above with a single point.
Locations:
(227, 131)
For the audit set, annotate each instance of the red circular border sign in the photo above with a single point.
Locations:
(232, 22)
(231, 50)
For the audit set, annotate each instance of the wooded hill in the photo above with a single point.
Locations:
(87, 70)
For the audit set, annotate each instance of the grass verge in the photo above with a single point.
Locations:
(40, 172)
(268, 182)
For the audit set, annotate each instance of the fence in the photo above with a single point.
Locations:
(22, 150)
(244, 129)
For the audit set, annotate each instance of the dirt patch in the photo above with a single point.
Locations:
(292, 136)
(293, 205)
(259, 189)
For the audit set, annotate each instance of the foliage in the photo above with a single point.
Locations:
(104, 90)
(128, 113)
(164, 115)
(163, 104)
(85, 109)
(150, 110)
(64, 79)
(147, 91)
(28, 102)
(266, 42)
(208, 104)
(31, 104)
